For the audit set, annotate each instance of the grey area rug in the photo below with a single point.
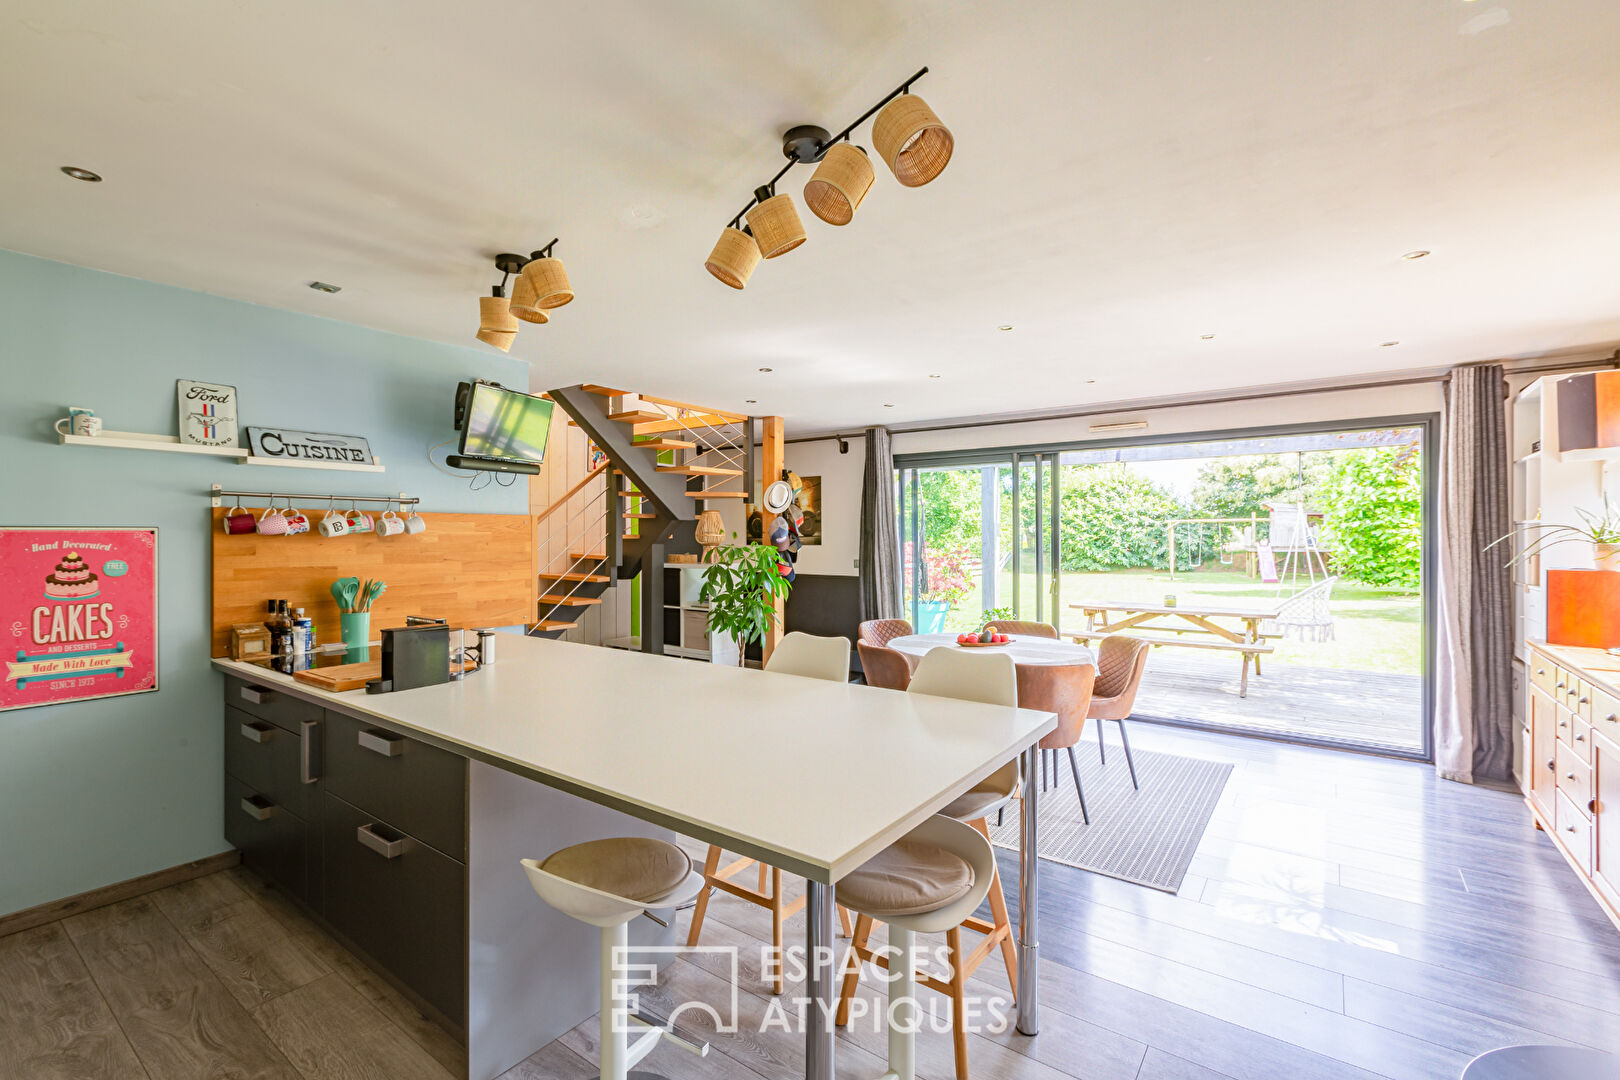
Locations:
(1147, 837)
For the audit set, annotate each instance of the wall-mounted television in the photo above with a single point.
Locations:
(502, 430)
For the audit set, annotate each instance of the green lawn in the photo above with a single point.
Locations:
(1374, 629)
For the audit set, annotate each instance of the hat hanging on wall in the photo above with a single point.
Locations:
(908, 135)
(778, 496)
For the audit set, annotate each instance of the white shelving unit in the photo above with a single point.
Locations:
(692, 615)
(137, 440)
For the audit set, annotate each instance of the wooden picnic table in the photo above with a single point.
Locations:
(1171, 621)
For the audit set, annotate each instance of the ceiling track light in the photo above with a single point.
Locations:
(541, 286)
(907, 134)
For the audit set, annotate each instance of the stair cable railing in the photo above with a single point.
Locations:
(547, 555)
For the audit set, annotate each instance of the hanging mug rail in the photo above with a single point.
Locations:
(217, 493)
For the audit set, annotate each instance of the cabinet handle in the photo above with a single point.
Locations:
(309, 751)
(259, 808)
(1563, 723)
(258, 732)
(1593, 806)
(1541, 671)
(385, 743)
(1569, 828)
(258, 695)
(1569, 776)
(388, 849)
(1580, 738)
(1550, 765)
(1613, 718)
(1582, 701)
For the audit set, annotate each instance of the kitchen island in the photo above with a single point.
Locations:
(393, 816)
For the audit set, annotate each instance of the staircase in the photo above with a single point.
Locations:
(667, 462)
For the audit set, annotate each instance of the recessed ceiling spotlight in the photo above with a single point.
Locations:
(749, 401)
(1206, 337)
(321, 286)
(936, 376)
(82, 174)
(767, 370)
(1004, 327)
(1388, 344)
(1089, 381)
(1414, 254)
(886, 405)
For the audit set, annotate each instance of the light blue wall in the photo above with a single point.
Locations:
(102, 791)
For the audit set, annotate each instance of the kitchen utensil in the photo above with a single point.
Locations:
(345, 590)
(334, 524)
(272, 522)
(238, 521)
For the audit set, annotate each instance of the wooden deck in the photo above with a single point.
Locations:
(1372, 709)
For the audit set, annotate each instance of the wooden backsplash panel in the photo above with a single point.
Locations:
(471, 569)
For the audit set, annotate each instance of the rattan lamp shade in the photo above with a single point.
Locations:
(501, 339)
(495, 313)
(840, 182)
(911, 139)
(710, 531)
(734, 257)
(523, 304)
(776, 226)
(549, 281)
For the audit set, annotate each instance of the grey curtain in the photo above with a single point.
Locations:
(1473, 715)
(880, 531)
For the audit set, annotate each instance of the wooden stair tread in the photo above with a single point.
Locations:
(643, 517)
(638, 416)
(553, 624)
(665, 444)
(575, 576)
(578, 601)
(604, 391)
(587, 555)
(718, 494)
(700, 470)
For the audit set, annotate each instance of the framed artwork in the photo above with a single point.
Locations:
(78, 614)
(810, 503)
(207, 413)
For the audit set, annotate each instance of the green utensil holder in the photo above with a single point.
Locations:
(355, 627)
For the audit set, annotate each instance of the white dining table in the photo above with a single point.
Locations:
(1025, 650)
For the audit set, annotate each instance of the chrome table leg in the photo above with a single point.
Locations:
(821, 984)
(1029, 862)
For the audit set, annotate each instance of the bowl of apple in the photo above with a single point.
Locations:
(984, 639)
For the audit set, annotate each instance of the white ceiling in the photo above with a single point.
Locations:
(1129, 175)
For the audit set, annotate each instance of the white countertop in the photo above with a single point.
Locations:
(814, 776)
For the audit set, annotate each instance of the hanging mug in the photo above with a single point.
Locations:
(297, 521)
(415, 524)
(237, 521)
(272, 522)
(334, 524)
(389, 524)
(360, 521)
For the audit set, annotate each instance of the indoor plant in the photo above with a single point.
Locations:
(741, 588)
(1602, 531)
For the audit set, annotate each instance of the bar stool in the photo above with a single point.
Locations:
(927, 882)
(606, 883)
(989, 677)
(813, 658)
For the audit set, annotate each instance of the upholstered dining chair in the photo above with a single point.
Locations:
(884, 667)
(880, 632)
(1065, 689)
(1019, 628)
(1121, 660)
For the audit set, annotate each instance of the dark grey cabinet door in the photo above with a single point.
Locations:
(275, 843)
(269, 759)
(400, 901)
(267, 703)
(412, 786)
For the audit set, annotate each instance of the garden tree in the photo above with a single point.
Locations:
(1113, 517)
(1240, 486)
(949, 499)
(1373, 502)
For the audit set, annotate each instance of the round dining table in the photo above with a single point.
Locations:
(1026, 651)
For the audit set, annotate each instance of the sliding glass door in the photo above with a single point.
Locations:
(1281, 573)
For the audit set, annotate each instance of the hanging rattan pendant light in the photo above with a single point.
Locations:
(734, 257)
(523, 304)
(542, 285)
(775, 224)
(710, 531)
(496, 326)
(840, 182)
(912, 140)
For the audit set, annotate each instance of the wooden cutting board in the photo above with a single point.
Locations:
(352, 676)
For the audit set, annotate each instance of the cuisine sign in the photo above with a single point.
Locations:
(308, 445)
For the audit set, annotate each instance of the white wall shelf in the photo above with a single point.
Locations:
(137, 440)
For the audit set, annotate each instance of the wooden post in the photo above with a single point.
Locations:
(771, 465)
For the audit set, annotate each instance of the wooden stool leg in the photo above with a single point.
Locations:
(953, 938)
(762, 872)
(776, 922)
(843, 921)
(852, 977)
(710, 865)
(998, 916)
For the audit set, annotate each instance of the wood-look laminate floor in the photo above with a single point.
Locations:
(1346, 917)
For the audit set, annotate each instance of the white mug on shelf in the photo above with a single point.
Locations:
(80, 422)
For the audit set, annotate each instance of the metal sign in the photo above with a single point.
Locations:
(308, 445)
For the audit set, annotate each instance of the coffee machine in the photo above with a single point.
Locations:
(413, 655)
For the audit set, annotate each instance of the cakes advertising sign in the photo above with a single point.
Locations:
(78, 614)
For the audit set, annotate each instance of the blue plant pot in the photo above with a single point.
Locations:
(931, 616)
